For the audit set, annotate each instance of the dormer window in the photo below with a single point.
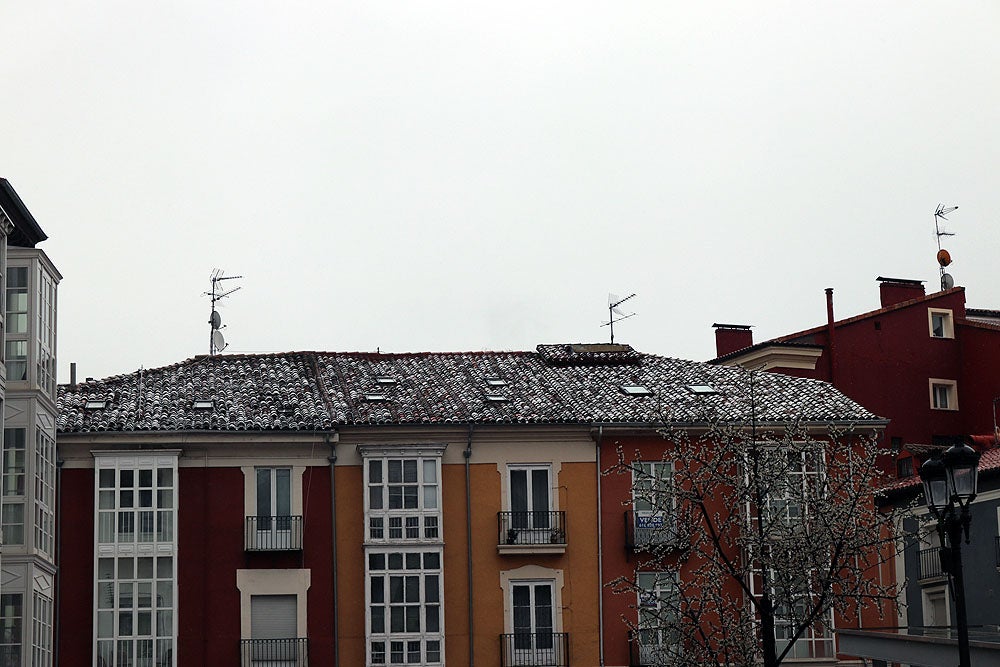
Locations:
(95, 405)
(203, 404)
(636, 390)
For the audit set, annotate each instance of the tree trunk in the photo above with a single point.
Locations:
(767, 632)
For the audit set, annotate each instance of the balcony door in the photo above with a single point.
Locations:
(653, 502)
(531, 607)
(273, 631)
(274, 508)
(530, 503)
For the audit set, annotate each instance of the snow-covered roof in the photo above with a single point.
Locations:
(556, 384)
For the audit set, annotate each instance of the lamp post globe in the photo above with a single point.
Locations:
(935, 478)
(961, 463)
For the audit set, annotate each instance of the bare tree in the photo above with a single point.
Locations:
(751, 538)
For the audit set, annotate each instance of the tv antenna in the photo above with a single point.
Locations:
(613, 310)
(216, 341)
(943, 256)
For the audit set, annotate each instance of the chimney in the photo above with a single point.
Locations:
(897, 290)
(72, 374)
(732, 337)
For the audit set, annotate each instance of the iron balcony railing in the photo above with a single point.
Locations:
(531, 528)
(646, 530)
(645, 651)
(274, 533)
(930, 563)
(274, 652)
(534, 649)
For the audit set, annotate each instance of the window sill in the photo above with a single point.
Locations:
(511, 549)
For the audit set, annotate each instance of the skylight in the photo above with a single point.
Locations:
(203, 404)
(375, 398)
(496, 382)
(385, 380)
(636, 390)
(497, 398)
(95, 405)
(702, 389)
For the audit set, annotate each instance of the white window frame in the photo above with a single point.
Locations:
(422, 524)
(947, 322)
(528, 468)
(532, 574)
(135, 555)
(398, 563)
(950, 387)
(274, 582)
(655, 642)
(654, 525)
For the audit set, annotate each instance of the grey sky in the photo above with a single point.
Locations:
(459, 176)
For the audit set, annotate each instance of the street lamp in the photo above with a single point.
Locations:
(949, 488)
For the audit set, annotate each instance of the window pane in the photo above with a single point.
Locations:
(410, 471)
(519, 490)
(430, 471)
(375, 471)
(283, 493)
(263, 492)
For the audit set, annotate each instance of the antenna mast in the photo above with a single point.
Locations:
(943, 256)
(613, 302)
(216, 341)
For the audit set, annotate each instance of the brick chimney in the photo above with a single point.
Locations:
(732, 337)
(897, 290)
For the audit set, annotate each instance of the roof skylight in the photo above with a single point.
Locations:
(385, 380)
(95, 405)
(702, 389)
(203, 404)
(375, 398)
(636, 390)
(496, 381)
(497, 398)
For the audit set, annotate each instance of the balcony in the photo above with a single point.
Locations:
(274, 652)
(649, 653)
(930, 563)
(647, 531)
(273, 533)
(534, 649)
(531, 532)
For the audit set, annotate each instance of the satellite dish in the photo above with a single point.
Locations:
(215, 320)
(947, 282)
(218, 340)
(943, 257)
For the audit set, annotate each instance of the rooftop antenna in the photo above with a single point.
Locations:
(613, 302)
(216, 341)
(943, 256)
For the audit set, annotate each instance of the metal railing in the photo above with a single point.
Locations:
(534, 649)
(531, 528)
(274, 652)
(930, 563)
(648, 653)
(273, 533)
(648, 530)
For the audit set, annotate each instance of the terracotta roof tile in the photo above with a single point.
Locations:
(322, 390)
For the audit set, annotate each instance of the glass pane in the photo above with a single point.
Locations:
(430, 471)
(540, 490)
(164, 567)
(431, 593)
(283, 493)
(433, 621)
(378, 619)
(413, 561)
(375, 472)
(413, 618)
(432, 560)
(377, 589)
(410, 471)
(430, 497)
(395, 589)
(519, 490)
(263, 492)
(164, 594)
(409, 497)
(395, 471)
(145, 568)
(164, 623)
(126, 567)
(375, 497)
(395, 619)
(145, 478)
(164, 477)
(412, 589)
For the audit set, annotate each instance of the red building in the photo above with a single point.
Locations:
(924, 361)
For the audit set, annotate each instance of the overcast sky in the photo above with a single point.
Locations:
(456, 176)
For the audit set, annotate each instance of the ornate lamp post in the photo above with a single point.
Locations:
(949, 488)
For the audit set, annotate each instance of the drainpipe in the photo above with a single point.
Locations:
(58, 599)
(468, 542)
(600, 553)
(333, 529)
(830, 332)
